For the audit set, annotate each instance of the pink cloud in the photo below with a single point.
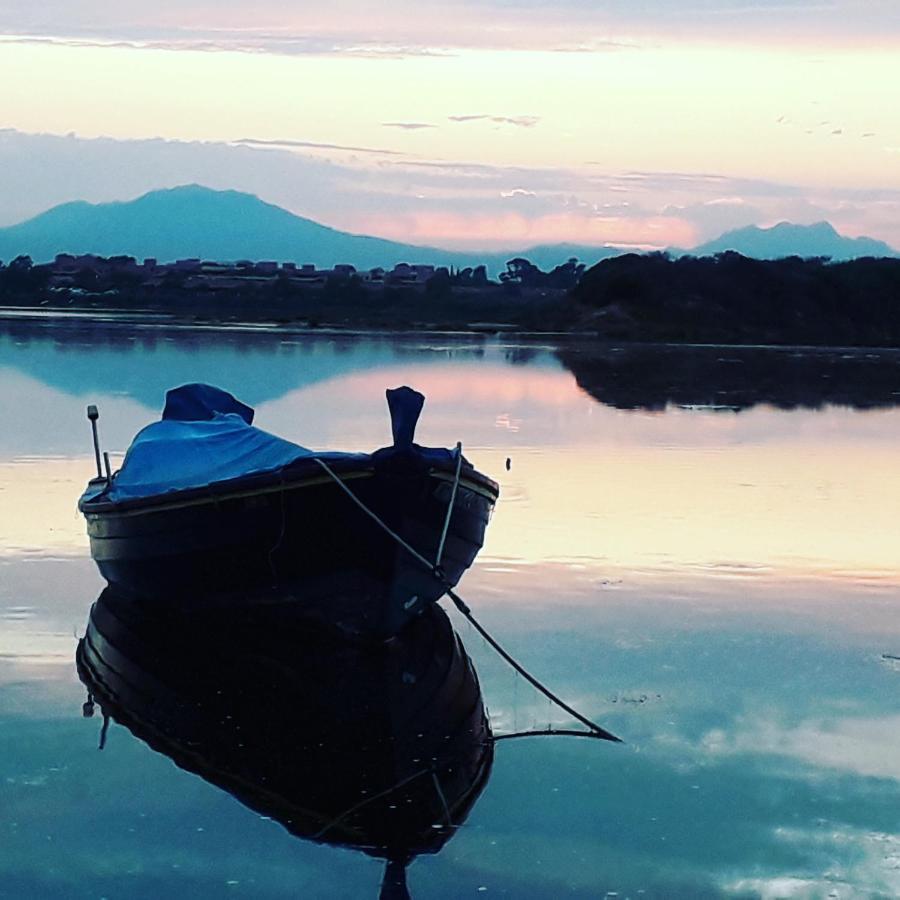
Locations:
(481, 230)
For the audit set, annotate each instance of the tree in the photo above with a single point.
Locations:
(440, 285)
(522, 271)
(567, 275)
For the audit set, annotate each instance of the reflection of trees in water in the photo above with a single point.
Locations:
(649, 376)
(520, 356)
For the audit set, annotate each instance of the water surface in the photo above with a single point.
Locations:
(711, 577)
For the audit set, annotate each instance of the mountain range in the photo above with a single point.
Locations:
(785, 239)
(195, 221)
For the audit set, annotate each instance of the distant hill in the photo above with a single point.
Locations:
(195, 221)
(786, 239)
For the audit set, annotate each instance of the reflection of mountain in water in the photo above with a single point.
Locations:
(651, 376)
(82, 357)
(384, 749)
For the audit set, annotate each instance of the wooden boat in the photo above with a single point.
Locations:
(210, 510)
(380, 747)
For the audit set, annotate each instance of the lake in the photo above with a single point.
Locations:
(705, 563)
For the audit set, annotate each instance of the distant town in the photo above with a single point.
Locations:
(723, 298)
(89, 273)
(284, 292)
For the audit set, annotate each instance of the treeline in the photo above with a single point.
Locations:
(722, 299)
(449, 300)
(729, 298)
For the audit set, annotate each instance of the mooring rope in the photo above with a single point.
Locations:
(467, 612)
(320, 834)
(595, 728)
(548, 732)
(440, 550)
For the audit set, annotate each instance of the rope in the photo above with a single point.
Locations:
(374, 516)
(320, 834)
(440, 552)
(437, 786)
(547, 732)
(596, 729)
(277, 545)
(467, 613)
(103, 732)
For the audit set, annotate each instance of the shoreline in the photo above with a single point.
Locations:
(176, 322)
(268, 326)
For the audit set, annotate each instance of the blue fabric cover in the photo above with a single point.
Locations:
(205, 438)
(194, 402)
(172, 455)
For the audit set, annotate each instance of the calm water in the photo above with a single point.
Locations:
(720, 588)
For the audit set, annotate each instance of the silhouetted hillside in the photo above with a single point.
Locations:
(785, 239)
(732, 299)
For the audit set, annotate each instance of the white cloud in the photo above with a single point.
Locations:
(425, 26)
(373, 189)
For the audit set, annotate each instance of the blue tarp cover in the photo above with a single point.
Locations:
(175, 456)
(205, 438)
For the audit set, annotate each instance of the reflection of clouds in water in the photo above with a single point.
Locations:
(865, 746)
(505, 422)
(39, 499)
(871, 865)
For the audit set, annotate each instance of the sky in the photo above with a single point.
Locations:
(484, 124)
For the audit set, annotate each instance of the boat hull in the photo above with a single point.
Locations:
(301, 542)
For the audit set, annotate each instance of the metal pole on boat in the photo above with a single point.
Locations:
(93, 415)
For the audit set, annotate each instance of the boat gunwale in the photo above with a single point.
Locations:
(279, 480)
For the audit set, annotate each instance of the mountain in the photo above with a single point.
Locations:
(786, 239)
(195, 221)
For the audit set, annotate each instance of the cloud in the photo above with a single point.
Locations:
(417, 27)
(489, 229)
(459, 203)
(713, 217)
(287, 144)
(224, 41)
(408, 126)
(517, 121)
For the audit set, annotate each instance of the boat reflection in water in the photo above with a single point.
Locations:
(383, 748)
